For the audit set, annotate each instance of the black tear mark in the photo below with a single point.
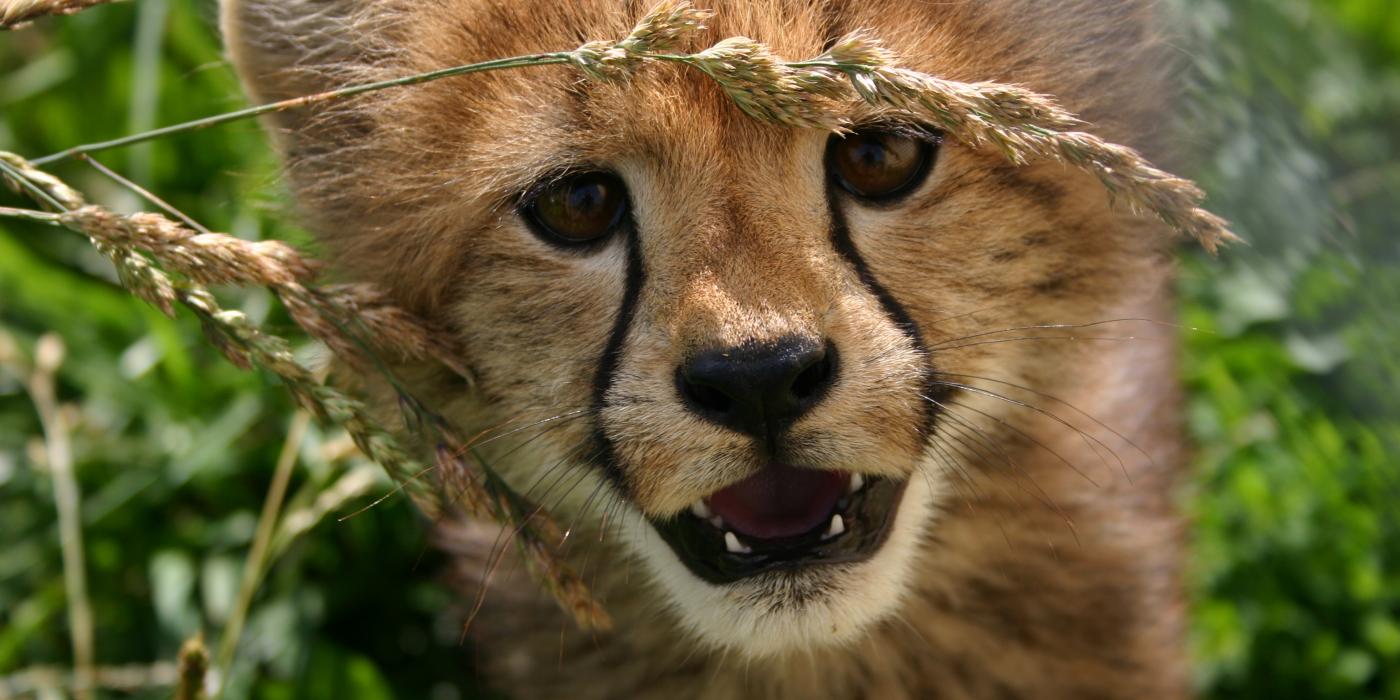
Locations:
(612, 356)
(841, 240)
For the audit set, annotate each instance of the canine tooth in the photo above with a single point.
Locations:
(837, 527)
(718, 522)
(732, 543)
(700, 510)
(857, 483)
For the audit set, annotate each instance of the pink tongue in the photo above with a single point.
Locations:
(779, 501)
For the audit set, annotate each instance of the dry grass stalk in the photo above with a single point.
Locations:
(533, 530)
(255, 563)
(660, 30)
(14, 13)
(39, 378)
(333, 315)
(1023, 125)
(767, 88)
(355, 483)
(192, 665)
(1027, 126)
(50, 681)
(329, 315)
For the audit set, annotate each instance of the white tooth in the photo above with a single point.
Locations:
(837, 527)
(732, 543)
(718, 522)
(700, 510)
(857, 483)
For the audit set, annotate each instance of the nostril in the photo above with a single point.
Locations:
(809, 381)
(706, 397)
(814, 379)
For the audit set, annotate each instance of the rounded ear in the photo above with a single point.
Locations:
(289, 48)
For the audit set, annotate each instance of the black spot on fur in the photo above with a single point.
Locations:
(1035, 239)
(1012, 178)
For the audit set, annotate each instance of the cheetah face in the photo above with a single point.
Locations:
(743, 355)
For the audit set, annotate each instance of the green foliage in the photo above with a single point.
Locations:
(1295, 411)
(174, 447)
(1294, 374)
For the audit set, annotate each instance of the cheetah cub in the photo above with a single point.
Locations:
(830, 415)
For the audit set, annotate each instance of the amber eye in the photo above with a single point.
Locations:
(579, 208)
(876, 164)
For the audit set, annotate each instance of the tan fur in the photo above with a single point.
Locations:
(1027, 562)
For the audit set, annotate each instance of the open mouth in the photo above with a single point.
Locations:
(783, 517)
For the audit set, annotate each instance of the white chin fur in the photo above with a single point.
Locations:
(783, 612)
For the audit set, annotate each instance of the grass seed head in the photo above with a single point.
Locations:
(767, 88)
(14, 13)
(662, 29)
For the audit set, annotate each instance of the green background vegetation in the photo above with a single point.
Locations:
(1292, 123)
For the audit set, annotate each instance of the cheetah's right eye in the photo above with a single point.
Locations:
(577, 209)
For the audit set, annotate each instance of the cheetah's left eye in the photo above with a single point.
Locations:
(877, 164)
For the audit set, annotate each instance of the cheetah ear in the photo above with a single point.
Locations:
(288, 48)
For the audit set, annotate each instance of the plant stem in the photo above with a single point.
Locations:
(38, 192)
(42, 217)
(540, 59)
(145, 81)
(257, 554)
(192, 668)
(52, 681)
(144, 193)
(16, 13)
(68, 502)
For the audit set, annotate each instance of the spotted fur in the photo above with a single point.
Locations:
(1036, 552)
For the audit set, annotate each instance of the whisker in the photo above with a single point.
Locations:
(973, 312)
(551, 419)
(613, 517)
(545, 474)
(962, 478)
(498, 555)
(1020, 472)
(569, 466)
(602, 553)
(582, 475)
(526, 496)
(1048, 414)
(1061, 326)
(1066, 404)
(950, 463)
(399, 487)
(583, 509)
(498, 547)
(1021, 475)
(1025, 435)
(1052, 337)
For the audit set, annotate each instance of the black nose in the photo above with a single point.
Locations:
(758, 389)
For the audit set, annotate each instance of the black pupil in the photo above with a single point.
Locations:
(870, 154)
(586, 200)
